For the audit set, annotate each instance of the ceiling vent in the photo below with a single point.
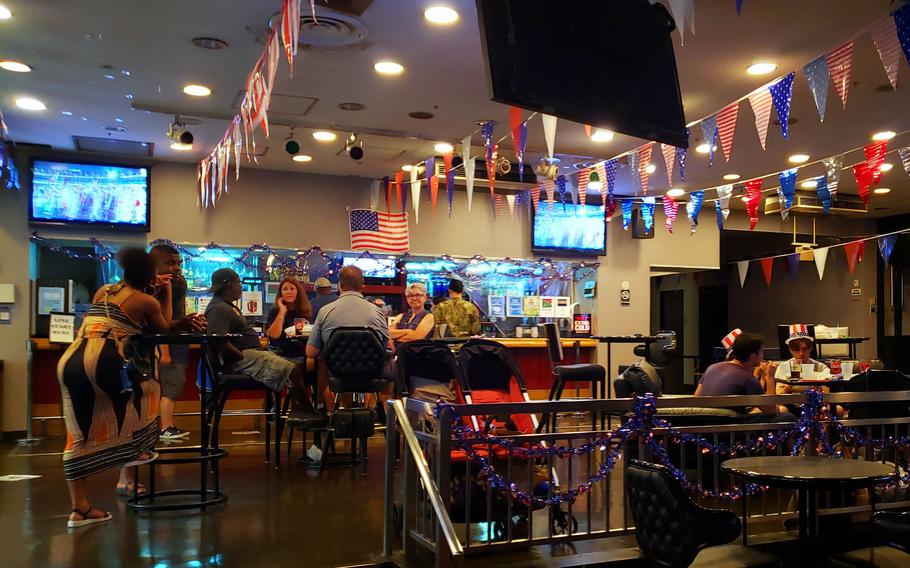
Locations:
(809, 204)
(113, 146)
(335, 28)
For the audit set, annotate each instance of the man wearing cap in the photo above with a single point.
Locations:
(323, 296)
(243, 354)
(799, 343)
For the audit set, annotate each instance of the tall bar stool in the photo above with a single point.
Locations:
(591, 373)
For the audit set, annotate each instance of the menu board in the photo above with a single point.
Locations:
(251, 304)
(497, 306)
(531, 306)
(515, 306)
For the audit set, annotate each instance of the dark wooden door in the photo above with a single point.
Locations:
(672, 304)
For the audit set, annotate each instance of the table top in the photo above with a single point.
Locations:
(184, 338)
(839, 340)
(809, 471)
(626, 338)
(814, 382)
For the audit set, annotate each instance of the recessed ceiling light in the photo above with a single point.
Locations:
(351, 106)
(118, 119)
(181, 147)
(324, 136)
(407, 168)
(883, 135)
(421, 115)
(442, 15)
(761, 68)
(83, 119)
(704, 148)
(5, 14)
(881, 190)
(109, 77)
(28, 103)
(443, 147)
(732, 177)
(809, 184)
(15, 66)
(886, 167)
(798, 158)
(601, 135)
(676, 192)
(197, 90)
(650, 168)
(66, 113)
(302, 158)
(388, 68)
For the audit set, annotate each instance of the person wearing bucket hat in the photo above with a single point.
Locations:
(799, 343)
(243, 354)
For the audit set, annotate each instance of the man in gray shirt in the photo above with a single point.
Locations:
(350, 309)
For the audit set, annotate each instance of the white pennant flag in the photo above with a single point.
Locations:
(415, 194)
(761, 104)
(821, 255)
(684, 15)
(549, 132)
(510, 200)
(743, 266)
(469, 165)
(374, 195)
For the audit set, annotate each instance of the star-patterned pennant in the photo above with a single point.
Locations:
(610, 208)
(902, 24)
(671, 207)
(647, 213)
(693, 208)
(709, 131)
(760, 101)
(840, 67)
(818, 76)
(753, 200)
(726, 126)
(626, 205)
(905, 158)
(781, 93)
(644, 161)
(886, 246)
(833, 167)
(787, 191)
(681, 154)
(610, 168)
(561, 184)
(721, 214)
(632, 161)
(669, 153)
(884, 35)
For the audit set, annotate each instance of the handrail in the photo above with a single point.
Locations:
(423, 470)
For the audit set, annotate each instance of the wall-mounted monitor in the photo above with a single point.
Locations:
(373, 268)
(573, 230)
(89, 195)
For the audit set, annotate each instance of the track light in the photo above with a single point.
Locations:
(291, 146)
(354, 148)
(177, 132)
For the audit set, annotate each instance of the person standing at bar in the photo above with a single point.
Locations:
(174, 358)
(324, 295)
(462, 319)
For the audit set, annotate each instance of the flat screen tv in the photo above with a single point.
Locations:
(374, 268)
(571, 230)
(608, 63)
(87, 194)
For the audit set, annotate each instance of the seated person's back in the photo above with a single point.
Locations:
(728, 378)
(350, 309)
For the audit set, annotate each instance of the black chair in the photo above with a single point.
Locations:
(220, 384)
(591, 373)
(355, 358)
(878, 381)
(422, 363)
(673, 531)
(892, 530)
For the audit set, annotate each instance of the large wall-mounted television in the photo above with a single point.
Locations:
(373, 268)
(89, 194)
(569, 230)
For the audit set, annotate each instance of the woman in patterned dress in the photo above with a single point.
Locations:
(111, 413)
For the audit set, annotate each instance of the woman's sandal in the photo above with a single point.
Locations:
(127, 490)
(86, 520)
(150, 457)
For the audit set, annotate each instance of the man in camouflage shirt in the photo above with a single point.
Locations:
(460, 316)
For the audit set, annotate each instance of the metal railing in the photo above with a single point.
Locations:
(444, 497)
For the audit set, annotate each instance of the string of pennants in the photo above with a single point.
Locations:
(853, 251)
(684, 15)
(213, 172)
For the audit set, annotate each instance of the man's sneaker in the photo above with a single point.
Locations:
(173, 433)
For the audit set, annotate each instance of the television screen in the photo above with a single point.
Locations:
(373, 267)
(608, 63)
(89, 194)
(573, 228)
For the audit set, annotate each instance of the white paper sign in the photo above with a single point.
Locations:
(51, 300)
(547, 307)
(62, 328)
(251, 304)
(563, 307)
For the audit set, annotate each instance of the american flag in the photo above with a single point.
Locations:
(376, 230)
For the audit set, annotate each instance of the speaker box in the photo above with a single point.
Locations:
(638, 226)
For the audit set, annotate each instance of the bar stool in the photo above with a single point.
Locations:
(578, 372)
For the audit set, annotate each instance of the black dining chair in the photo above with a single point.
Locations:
(590, 373)
(673, 531)
(892, 530)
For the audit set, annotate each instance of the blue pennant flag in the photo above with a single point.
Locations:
(821, 189)
(693, 208)
(561, 184)
(781, 93)
(818, 77)
(681, 154)
(709, 131)
(721, 215)
(626, 205)
(793, 263)
(486, 133)
(902, 23)
(788, 186)
(610, 167)
(739, 7)
(647, 212)
(886, 245)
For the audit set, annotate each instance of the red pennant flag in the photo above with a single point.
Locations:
(497, 206)
(535, 196)
(767, 265)
(515, 126)
(669, 153)
(644, 160)
(875, 157)
(840, 67)
(862, 251)
(610, 209)
(670, 209)
(884, 35)
(864, 176)
(852, 252)
(726, 125)
(399, 177)
(584, 175)
(753, 200)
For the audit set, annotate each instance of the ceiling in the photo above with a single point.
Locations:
(73, 45)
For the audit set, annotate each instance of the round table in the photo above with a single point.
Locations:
(807, 474)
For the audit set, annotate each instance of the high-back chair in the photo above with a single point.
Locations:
(355, 358)
(590, 373)
(673, 531)
(422, 363)
(892, 530)
(878, 381)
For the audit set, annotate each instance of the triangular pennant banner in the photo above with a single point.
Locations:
(535, 196)
(669, 153)
(572, 186)
(388, 193)
(821, 255)
(840, 67)
(469, 168)
(497, 207)
(884, 35)
(515, 127)
(561, 184)
(761, 104)
(610, 168)
(684, 15)
(644, 162)
(792, 263)
(905, 158)
(781, 93)
(626, 205)
(399, 177)
(693, 208)
(821, 189)
(886, 247)
(743, 267)
(415, 195)
(726, 126)
(632, 160)
(670, 209)
(709, 131)
(548, 186)
(584, 175)
(491, 169)
(818, 76)
(902, 23)
(721, 214)
(450, 178)
(787, 190)
(833, 166)
(432, 181)
(510, 199)
(864, 175)
(767, 265)
(681, 154)
(610, 209)
(486, 133)
(375, 189)
(852, 252)
(722, 204)
(875, 157)
(647, 213)
(739, 7)
(753, 201)
(549, 132)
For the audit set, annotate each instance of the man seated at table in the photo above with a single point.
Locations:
(462, 319)
(799, 343)
(350, 309)
(735, 377)
(243, 354)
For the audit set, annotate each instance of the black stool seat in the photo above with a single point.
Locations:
(581, 372)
